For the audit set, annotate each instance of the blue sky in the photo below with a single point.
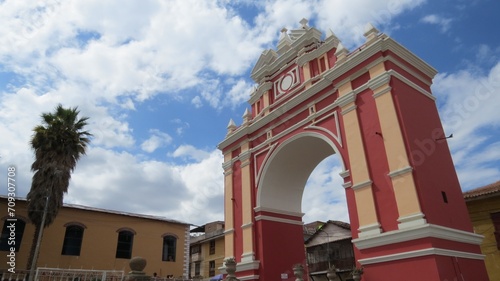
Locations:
(160, 81)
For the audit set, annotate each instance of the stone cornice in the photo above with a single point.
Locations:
(421, 253)
(346, 99)
(411, 58)
(379, 81)
(418, 232)
(382, 44)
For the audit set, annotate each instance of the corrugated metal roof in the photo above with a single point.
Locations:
(492, 189)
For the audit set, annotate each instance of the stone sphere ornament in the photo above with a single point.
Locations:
(137, 264)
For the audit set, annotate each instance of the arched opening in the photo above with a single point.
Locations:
(287, 171)
(280, 197)
(324, 196)
(327, 231)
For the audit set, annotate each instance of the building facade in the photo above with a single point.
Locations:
(90, 238)
(483, 204)
(330, 245)
(207, 251)
(373, 109)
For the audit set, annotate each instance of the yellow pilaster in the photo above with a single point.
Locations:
(228, 205)
(307, 75)
(246, 204)
(266, 102)
(410, 213)
(307, 71)
(361, 183)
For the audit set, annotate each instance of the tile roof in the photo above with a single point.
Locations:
(492, 189)
(322, 228)
(120, 213)
(341, 224)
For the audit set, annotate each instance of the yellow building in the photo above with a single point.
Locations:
(90, 238)
(207, 251)
(484, 209)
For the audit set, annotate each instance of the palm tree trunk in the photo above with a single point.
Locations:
(31, 257)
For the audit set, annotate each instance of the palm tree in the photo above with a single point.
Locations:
(58, 144)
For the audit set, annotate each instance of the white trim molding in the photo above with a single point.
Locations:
(347, 184)
(247, 265)
(402, 171)
(246, 225)
(421, 253)
(276, 211)
(348, 109)
(362, 184)
(247, 257)
(282, 220)
(369, 230)
(344, 174)
(411, 220)
(249, 277)
(418, 232)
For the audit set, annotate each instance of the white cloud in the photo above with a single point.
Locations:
(196, 101)
(486, 54)
(204, 180)
(324, 196)
(190, 152)
(442, 22)
(468, 105)
(349, 26)
(239, 93)
(122, 182)
(157, 139)
(218, 96)
(181, 126)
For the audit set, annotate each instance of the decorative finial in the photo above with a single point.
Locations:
(304, 22)
(247, 116)
(231, 126)
(330, 33)
(340, 48)
(341, 52)
(370, 32)
(284, 42)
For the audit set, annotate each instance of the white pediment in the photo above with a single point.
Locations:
(266, 58)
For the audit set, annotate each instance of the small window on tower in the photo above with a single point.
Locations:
(445, 198)
(312, 110)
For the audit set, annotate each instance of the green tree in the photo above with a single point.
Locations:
(58, 144)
